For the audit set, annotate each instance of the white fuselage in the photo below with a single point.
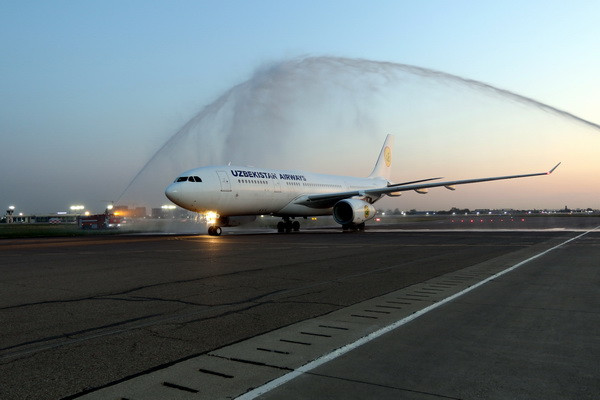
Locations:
(234, 191)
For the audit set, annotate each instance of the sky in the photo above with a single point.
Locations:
(90, 91)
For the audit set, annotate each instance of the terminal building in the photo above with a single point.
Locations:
(40, 219)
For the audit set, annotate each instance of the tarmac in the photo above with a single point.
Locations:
(91, 316)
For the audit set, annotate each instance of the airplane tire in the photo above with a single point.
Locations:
(280, 227)
(215, 230)
(296, 226)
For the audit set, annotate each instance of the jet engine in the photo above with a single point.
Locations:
(352, 211)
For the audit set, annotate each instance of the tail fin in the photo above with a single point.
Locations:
(383, 167)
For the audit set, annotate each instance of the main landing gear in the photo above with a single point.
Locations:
(287, 226)
(214, 230)
(353, 227)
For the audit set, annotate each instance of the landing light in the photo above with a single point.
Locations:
(211, 217)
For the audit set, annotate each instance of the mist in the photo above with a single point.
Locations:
(331, 114)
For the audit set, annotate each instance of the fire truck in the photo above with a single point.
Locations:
(100, 221)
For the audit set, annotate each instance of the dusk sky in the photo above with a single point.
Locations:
(90, 91)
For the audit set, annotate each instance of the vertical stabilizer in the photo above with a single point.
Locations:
(383, 167)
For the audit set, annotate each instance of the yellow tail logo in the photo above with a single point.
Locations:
(387, 156)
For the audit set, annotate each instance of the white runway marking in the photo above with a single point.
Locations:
(349, 347)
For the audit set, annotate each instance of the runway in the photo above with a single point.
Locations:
(81, 314)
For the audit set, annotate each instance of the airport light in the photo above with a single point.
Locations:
(77, 207)
(109, 207)
(168, 207)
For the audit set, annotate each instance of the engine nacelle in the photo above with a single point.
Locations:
(352, 211)
(235, 221)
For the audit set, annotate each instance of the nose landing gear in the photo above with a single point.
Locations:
(214, 230)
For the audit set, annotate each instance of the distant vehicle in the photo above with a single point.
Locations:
(54, 221)
(230, 196)
(100, 221)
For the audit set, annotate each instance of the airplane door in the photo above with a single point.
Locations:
(224, 180)
(277, 186)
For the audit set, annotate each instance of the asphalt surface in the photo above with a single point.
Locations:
(529, 334)
(78, 314)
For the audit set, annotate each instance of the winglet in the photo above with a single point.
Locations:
(552, 170)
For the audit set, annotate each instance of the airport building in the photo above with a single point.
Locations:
(40, 219)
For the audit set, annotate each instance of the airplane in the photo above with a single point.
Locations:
(232, 195)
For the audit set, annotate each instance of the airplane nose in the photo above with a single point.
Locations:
(173, 193)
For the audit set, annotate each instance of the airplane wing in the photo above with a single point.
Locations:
(327, 200)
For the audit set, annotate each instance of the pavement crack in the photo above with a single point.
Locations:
(155, 334)
(190, 303)
(223, 314)
(322, 303)
(435, 395)
(71, 335)
(132, 290)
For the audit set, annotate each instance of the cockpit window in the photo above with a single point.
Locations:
(188, 179)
